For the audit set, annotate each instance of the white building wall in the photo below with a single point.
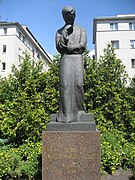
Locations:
(104, 35)
(7, 57)
(16, 46)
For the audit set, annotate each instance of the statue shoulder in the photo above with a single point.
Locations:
(80, 28)
(59, 31)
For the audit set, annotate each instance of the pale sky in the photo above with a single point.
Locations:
(43, 17)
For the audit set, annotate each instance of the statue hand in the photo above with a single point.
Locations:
(75, 48)
(67, 27)
(65, 32)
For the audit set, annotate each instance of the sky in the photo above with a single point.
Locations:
(44, 18)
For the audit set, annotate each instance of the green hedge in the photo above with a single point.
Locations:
(116, 152)
(23, 162)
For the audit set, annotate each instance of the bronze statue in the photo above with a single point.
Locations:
(71, 43)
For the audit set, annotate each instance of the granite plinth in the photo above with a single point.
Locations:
(74, 126)
(86, 123)
(84, 117)
(70, 155)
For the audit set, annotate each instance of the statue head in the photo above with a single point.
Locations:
(69, 14)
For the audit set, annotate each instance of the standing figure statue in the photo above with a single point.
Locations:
(71, 42)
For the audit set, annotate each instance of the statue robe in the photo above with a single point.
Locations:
(71, 74)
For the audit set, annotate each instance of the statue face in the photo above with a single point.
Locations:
(69, 18)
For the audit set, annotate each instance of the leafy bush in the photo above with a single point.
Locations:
(29, 95)
(23, 114)
(112, 103)
(129, 156)
(20, 162)
(51, 91)
(22, 119)
(106, 94)
(116, 152)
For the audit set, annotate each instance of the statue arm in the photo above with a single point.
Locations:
(61, 42)
(81, 45)
(83, 40)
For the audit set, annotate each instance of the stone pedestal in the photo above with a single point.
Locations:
(70, 155)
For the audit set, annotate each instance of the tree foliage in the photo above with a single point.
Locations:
(22, 120)
(29, 95)
(107, 96)
(106, 93)
(27, 98)
(22, 108)
(51, 91)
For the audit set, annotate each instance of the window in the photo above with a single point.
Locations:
(131, 26)
(24, 40)
(3, 66)
(28, 44)
(4, 48)
(133, 63)
(37, 53)
(115, 44)
(132, 44)
(20, 35)
(114, 26)
(38, 56)
(5, 31)
(20, 52)
(30, 47)
(33, 53)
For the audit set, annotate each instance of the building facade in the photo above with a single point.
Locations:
(120, 32)
(15, 39)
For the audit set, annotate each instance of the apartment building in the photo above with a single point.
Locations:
(120, 31)
(15, 39)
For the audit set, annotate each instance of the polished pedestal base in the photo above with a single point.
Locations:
(70, 155)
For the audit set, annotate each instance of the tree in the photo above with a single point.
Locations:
(22, 104)
(23, 117)
(27, 98)
(29, 95)
(131, 90)
(52, 89)
(106, 92)
(107, 96)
